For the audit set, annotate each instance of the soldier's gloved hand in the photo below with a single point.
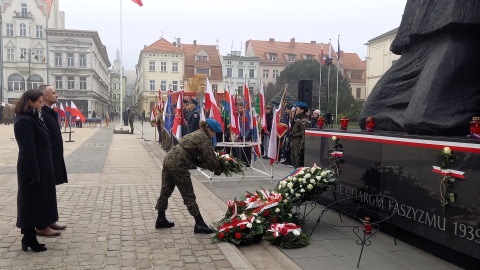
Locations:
(217, 173)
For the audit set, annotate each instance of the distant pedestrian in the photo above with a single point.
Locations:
(36, 199)
(94, 114)
(131, 118)
(193, 149)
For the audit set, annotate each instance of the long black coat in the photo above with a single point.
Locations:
(36, 204)
(50, 119)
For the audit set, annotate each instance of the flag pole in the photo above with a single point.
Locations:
(120, 118)
(328, 75)
(338, 68)
(320, 84)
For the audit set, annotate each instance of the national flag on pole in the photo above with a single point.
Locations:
(247, 115)
(177, 122)
(256, 135)
(272, 144)
(153, 115)
(330, 49)
(62, 110)
(338, 51)
(76, 112)
(322, 60)
(138, 2)
(263, 116)
(232, 110)
(168, 114)
(211, 104)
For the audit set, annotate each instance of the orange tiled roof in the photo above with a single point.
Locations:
(352, 61)
(162, 45)
(262, 48)
(214, 63)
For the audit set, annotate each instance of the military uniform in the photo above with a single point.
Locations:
(297, 140)
(193, 121)
(194, 149)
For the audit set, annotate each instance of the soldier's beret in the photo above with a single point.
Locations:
(192, 101)
(214, 125)
(301, 104)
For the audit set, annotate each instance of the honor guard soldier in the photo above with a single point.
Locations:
(193, 116)
(297, 135)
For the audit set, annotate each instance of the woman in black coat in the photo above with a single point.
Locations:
(36, 199)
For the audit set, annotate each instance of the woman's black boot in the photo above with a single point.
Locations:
(29, 240)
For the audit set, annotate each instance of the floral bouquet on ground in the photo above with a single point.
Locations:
(229, 165)
(287, 235)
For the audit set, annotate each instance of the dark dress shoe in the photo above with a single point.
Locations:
(48, 232)
(202, 228)
(58, 227)
(163, 223)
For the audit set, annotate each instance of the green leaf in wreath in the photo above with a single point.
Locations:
(452, 197)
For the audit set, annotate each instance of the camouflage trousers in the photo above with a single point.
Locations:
(180, 179)
(297, 150)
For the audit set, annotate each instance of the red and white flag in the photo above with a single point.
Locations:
(263, 116)
(233, 115)
(178, 120)
(76, 112)
(211, 104)
(62, 110)
(272, 143)
(138, 2)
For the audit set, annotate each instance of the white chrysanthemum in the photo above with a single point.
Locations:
(318, 177)
(249, 225)
(289, 178)
(307, 176)
(290, 215)
(259, 221)
(310, 186)
(292, 191)
(323, 174)
(277, 210)
(290, 185)
(302, 190)
(312, 181)
(334, 138)
(244, 217)
(296, 232)
(301, 173)
(297, 195)
(283, 183)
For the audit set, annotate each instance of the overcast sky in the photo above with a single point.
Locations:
(232, 22)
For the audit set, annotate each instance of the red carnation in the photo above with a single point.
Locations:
(221, 235)
(274, 219)
(247, 195)
(266, 213)
(242, 226)
(227, 229)
(238, 235)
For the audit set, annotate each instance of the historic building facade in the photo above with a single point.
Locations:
(239, 69)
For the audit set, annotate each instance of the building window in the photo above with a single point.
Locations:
(10, 29)
(10, 55)
(71, 82)
(151, 66)
(265, 73)
(276, 73)
(70, 61)
(16, 82)
(163, 85)
(175, 85)
(359, 93)
(203, 71)
(175, 67)
(229, 72)
(24, 10)
(291, 58)
(83, 60)
(272, 57)
(251, 73)
(23, 30)
(240, 63)
(58, 59)
(202, 58)
(240, 73)
(40, 56)
(309, 57)
(83, 83)
(152, 85)
(39, 31)
(163, 66)
(58, 82)
(35, 81)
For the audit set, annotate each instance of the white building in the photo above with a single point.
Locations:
(237, 69)
(23, 44)
(78, 68)
(379, 58)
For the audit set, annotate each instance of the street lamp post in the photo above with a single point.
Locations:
(29, 59)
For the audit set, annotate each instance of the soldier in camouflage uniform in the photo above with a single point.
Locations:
(297, 135)
(193, 149)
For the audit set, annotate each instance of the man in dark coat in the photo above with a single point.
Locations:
(50, 98)
(193, 120)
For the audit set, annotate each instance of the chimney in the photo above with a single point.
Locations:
(195, 43)
(271, 40)
(178, 42)
(144, 46)
(292, 42)
(313, 42)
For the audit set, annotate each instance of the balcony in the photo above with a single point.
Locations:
(26, 15)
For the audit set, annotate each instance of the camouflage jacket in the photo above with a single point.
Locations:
(298, 130)
(193, 149)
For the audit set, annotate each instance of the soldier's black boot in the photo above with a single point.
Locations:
(200, 226)
(162, 221)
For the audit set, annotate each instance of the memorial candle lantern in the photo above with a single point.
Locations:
(370, 124)
(367, 226)
(321, 122)
(344, 123)
(475, 125)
